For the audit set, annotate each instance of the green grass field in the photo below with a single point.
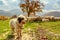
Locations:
(51, 26)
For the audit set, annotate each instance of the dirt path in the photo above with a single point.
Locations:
(30, 35)
(26, 37)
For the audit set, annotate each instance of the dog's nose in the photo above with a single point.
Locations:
(23, 21)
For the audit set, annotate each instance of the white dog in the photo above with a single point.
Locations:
(16, 24)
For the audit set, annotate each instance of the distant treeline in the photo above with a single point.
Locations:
(33, 19)
(4, 17)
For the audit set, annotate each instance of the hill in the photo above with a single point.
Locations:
(53, 13)
(15, 12)
(5, 13)
(10, 13)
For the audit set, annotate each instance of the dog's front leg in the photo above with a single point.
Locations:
(18, 36)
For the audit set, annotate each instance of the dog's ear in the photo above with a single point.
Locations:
(20, 19)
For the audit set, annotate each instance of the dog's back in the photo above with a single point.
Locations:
(13, 23)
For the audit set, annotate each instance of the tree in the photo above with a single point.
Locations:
(31, 7)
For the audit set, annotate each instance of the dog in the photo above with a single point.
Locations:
(17, 24)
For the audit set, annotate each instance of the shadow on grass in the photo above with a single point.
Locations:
(10, 37)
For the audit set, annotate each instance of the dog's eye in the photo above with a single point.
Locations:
(20, 19)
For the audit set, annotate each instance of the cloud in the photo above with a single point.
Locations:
(14, 0)
(9, 4)
(12, 4)
(44, 2)
(50, 10)
(1, 3)
(56, 5)
(52, 5)
(4, 1)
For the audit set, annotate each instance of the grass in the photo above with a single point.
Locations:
(51, 26)
(4, 26)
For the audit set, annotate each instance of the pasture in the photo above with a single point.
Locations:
(49, 26)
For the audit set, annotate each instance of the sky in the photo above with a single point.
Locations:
(14, 4)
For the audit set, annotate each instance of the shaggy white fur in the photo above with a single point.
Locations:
(16, 25)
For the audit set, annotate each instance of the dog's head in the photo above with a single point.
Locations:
(21, 19)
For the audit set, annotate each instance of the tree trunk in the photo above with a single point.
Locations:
(28, 14)
(34, 14)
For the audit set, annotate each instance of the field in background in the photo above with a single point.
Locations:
(50, 26)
